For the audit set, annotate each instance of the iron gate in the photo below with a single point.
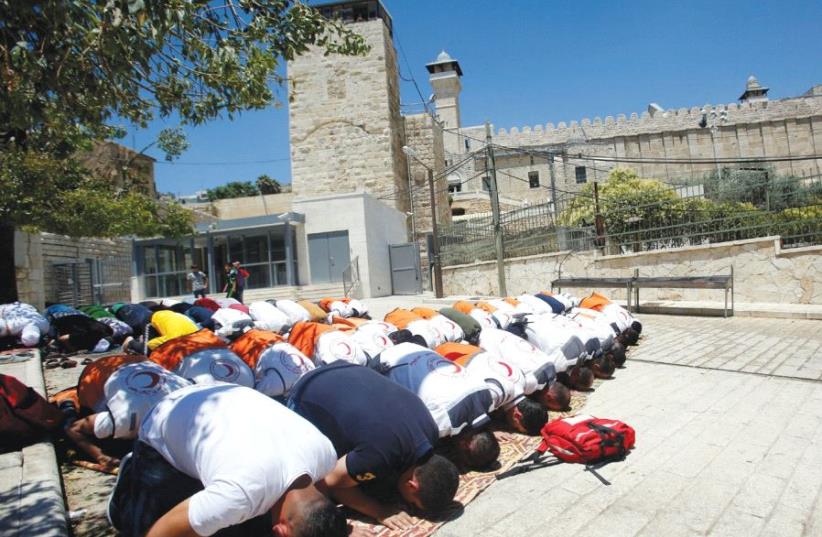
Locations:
(91, 281)
(405, 269)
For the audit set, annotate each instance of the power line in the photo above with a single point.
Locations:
(224, 163)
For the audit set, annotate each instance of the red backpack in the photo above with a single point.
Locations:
(587, 440)
(25, 415)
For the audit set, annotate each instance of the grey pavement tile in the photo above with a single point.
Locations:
(735, 522)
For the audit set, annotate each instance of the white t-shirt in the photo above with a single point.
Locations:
(267, 317)
(360, 308)
(619, 315)
(538, 305)
(596, 322)
(502, 305)
(129, 394)
(217, 364)
(245, 448)
(523, 354)
(341, 309)
(279, 367)
(455, 398)
(428, 331)
(24, 321)
(337, 345)
(507, 382)
(372, 337)
(450, 330)
(226, 302)
(293, 311)
(228, 321)
(551, 334)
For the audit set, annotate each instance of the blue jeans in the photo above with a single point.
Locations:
(148, 487)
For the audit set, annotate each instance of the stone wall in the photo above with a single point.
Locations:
(425, 137)
(785, 127)
(345, 126)
(107, 160)
(229, 209)
(37, 257)
(763, 272)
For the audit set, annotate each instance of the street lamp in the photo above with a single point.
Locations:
(713, 121)
(435, 246)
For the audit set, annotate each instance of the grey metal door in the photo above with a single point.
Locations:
(405, 269)
(328, 255)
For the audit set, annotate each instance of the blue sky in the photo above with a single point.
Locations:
(529, 62)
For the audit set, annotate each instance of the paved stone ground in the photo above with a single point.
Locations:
(729, 442)
(724, 445)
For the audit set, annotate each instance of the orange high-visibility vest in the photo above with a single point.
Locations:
(486, 307)
(594, 302)
(250, 345)
(463, 306)
(172, 352)
(304, 336)
(90, 385)
(457, 352)
(425, 313)
(401, 318)
(511, 300)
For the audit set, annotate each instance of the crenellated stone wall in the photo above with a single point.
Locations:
(763, 272)
(785, 128)
(345, 126)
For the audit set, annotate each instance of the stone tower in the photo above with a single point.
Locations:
(445, 73)
(345, 127)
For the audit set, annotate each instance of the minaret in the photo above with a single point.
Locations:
(754, 91)
(445, 73)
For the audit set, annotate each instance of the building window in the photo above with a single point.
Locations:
(458, 211)
(533, 179)
(454, 188)
(467, 144)
(581, 174)
(486, 184)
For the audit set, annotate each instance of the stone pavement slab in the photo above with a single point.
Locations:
(31, 497)
(719, 451)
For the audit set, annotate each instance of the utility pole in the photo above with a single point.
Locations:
(491, 166)
(599, 221)
(435, 246)
(553, 185)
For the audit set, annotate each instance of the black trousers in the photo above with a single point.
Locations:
(148, 487)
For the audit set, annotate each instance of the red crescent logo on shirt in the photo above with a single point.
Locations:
(343, 349)
(441, 366)
(224, 370)
(382, 341)
(293, 363)
(143, 381)
(509, 371)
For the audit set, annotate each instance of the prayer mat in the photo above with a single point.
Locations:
(513, 448)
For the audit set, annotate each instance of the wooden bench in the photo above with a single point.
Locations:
(725, 282)
(632, 285)
(594, 283)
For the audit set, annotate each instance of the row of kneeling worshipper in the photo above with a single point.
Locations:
(260, 429)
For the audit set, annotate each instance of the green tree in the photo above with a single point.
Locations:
(267, 185)
(71, 70)
(234, 189)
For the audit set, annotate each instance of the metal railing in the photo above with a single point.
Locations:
(351, 277)
(737, 205)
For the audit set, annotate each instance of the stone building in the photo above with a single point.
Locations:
(677, 145)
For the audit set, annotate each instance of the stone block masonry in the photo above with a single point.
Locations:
(763, 272)
(345, 125)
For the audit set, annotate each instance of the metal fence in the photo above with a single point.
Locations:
(733, 205)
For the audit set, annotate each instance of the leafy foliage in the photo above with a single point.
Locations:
(234, 189)
(267, 185)
(647, 212)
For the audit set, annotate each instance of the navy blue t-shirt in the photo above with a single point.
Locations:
(201, 316)
(381, 427)
(556, 306)
(137, 316)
